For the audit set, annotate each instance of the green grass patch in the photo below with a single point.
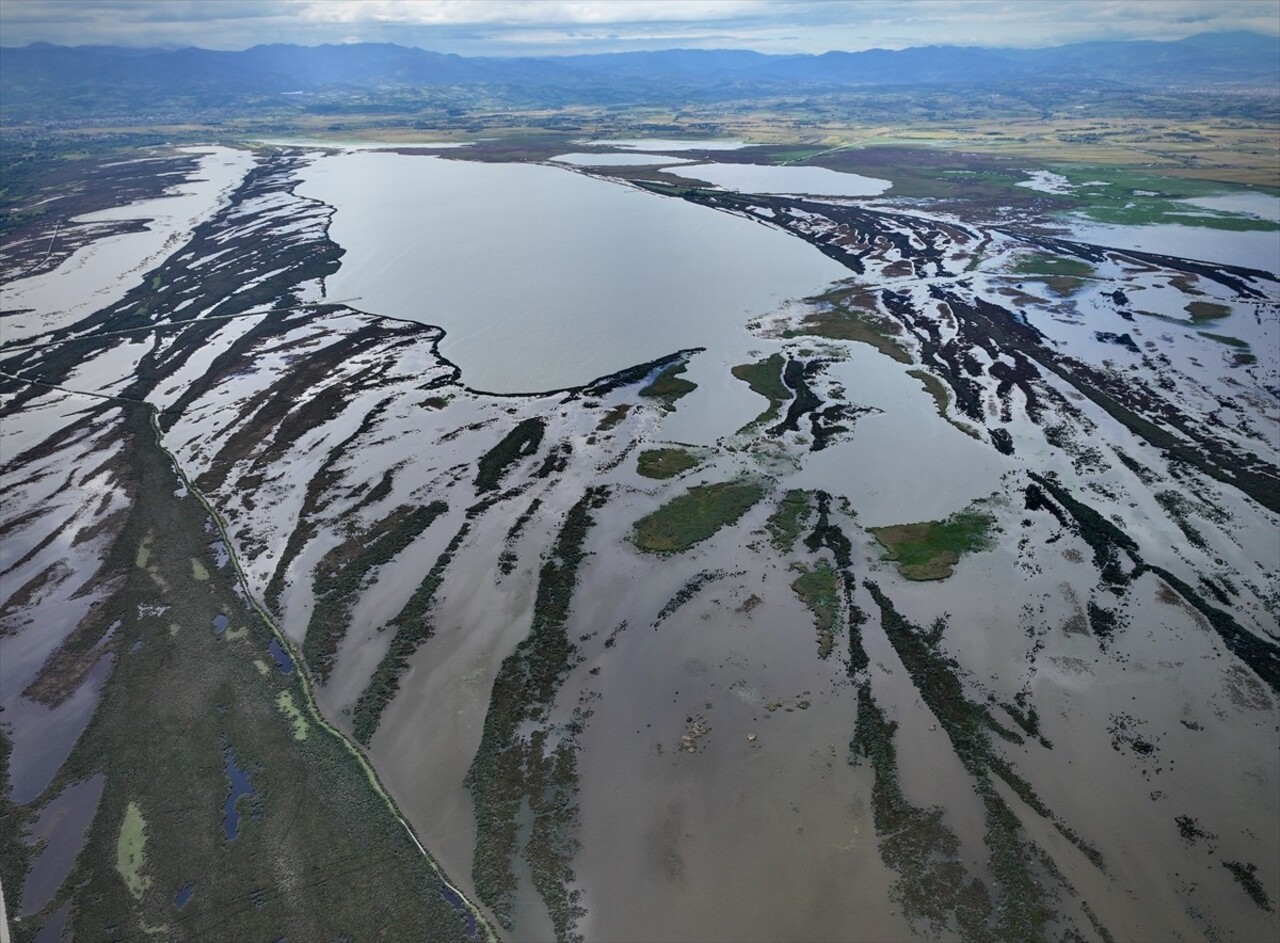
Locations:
(930, 549)
(664, 463)
(131, 851)
(787, 521)
(1225, 339)
(198, 570)
(613, 417)
(1123, 197)
(669, 386)
(1204, 311)
(819, 590)
(694, 516)
(765, 378)
(144, 553)
(284, 701)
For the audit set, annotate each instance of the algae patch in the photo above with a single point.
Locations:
(131, 851)
(284, 701)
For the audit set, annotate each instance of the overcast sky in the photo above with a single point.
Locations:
(552, 27)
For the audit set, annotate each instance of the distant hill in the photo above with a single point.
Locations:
(43, 81)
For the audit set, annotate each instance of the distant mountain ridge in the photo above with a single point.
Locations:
(43, 79)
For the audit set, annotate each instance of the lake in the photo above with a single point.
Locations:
(545, 278)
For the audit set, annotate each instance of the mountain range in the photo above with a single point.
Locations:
(48, 81)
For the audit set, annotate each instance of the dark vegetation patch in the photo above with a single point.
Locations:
(765, 377)
(1002, 440)
(1226, 339)
(968, 727)
(932, 884)
(345, 570)
(929, 550)
(539, 767)
(827, 535)
(787, 521)
(613, 417)
(1179, 508)
(1119, 340)
(633, 375)
(1107, 541)
(1204, 312)
(507, 560)
(686, 592)
(1102, 621)
(694, 516)
(664, 463)
(412, 626)
(796, 375)
(313, 501)
(1246, 875)
(520, 442)
(1190, 830)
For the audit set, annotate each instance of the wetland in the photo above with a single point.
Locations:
(670, 561)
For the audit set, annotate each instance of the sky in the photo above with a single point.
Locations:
(559, 27)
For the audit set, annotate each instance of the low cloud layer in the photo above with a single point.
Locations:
(552, 27)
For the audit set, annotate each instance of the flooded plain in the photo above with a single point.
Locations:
(1041, 706)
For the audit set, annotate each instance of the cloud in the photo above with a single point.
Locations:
(513, 27)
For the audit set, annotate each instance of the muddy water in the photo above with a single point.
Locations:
(764, 830)
(545, 278)
(906, 463)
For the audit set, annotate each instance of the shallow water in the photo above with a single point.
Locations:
(283, 661)
(240, 787)
(617, 160)
(905, 464)
(1261, 205)
(544, 278)
(762, 178)
(1256, 250)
